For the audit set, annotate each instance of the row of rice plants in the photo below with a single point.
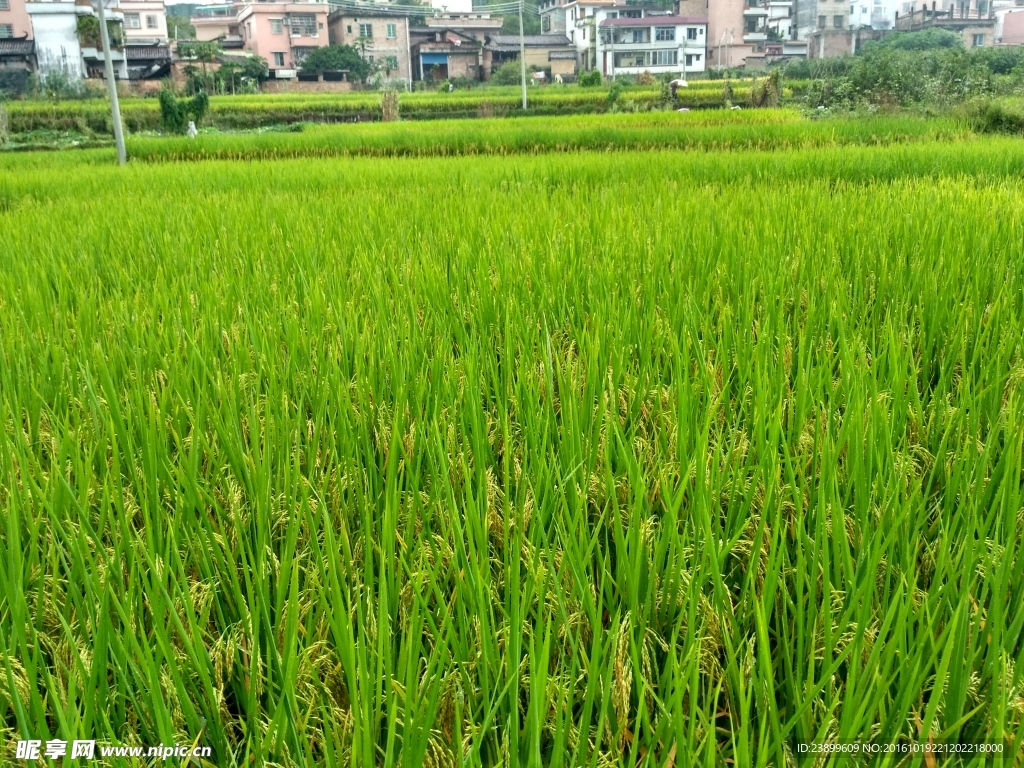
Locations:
(538, 461)
(763, 129)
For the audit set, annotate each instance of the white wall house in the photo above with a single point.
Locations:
(144, 20)
(583, 22)
(656, 44)
(55, 28)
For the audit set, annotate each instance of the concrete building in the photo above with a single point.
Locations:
(973, 20)
(144, 20)
(877, 14)
(283, 33)
(446, 53)
(55, 29)
(581, 20)
(656, 44)
(822, 20)
(15, 23)
(1009, 27)
(552, 52)
(383, 36)
(216, 22)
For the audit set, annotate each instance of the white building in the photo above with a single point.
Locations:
(877, 14)
(632, 37)
(655, 44)
(138, 43)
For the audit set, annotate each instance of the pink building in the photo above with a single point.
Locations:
(14, 20)
(283, 33)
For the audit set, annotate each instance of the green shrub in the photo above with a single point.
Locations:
(508, 73)
(590, 79)
(175, 113)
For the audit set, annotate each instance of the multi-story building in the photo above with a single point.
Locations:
(582, 20)
(216, 22)
(144, 20)
(15, 23)
(283, 33)
(877, 14)
(17, 48)
(821, 18)
(973, 20)
(655, 44)
(382, 37)
(740, 30)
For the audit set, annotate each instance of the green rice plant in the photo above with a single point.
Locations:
(255, 111)
(761, 129)
(633, 458)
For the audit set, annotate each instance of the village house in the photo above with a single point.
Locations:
(445, 54)
(216, 22)
(656, 44)
(381, 37)
(283, 33)
(450, 45)
(17, 48)
(549, 52)
(628, 37)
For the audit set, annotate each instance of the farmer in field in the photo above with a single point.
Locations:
(675, 85)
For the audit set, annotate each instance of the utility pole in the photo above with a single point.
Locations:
(522, 52)
(108, 68)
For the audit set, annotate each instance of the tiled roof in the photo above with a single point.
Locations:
(544, 41)
(9, 47)
(147, 53)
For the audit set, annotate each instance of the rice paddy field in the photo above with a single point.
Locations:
(247, 112)
(579, 454)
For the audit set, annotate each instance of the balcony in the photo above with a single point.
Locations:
(754, 37)
(754, 12)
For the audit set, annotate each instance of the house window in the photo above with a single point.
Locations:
(5, 5)
(638, 36)
(6, 30)
(132, 21)
(303, 24)
(632, 14)
(665, 33)
(348, 28)
(278, 58)
(691, 33)
(390, 63)
(277, 26)
(151, 22)
(545, 24)
(632, 59)
(665, 58)
(821, 22)
(978, 41)
(837, 22)
(366, 30)
(391, 30)
(689, 59)
(982, 7)
(613, 15)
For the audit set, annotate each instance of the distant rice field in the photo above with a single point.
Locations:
(528, 458)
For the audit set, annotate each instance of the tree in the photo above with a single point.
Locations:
(336, 57)
(244, 74)
(178, 28)
(509, 73)
(922, 40)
